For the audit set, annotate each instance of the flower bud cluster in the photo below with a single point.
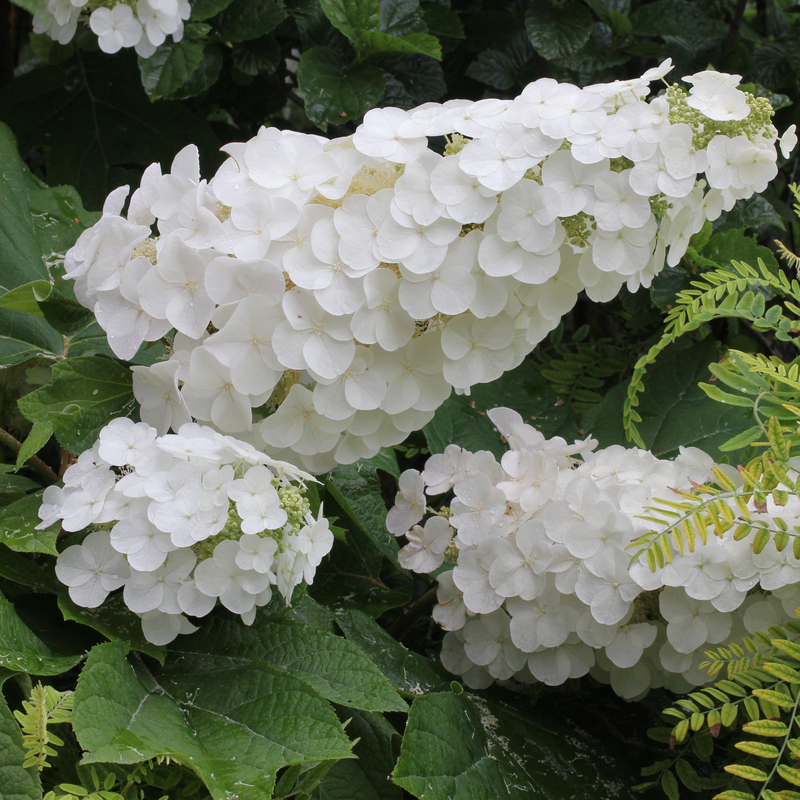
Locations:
(329, 295)
(542, 587)
(182, 521)
(143, 24)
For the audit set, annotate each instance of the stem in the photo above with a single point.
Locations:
(402, 625)
(735, 23)
(44, 472)
(783, 748)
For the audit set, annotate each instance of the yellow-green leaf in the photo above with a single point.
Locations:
(790, 648)
(760, 749)
(776, 698)
(766, 727)
(748, 773)
(789, 774)
(782, 672)
(728, 714)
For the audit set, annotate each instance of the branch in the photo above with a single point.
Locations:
(738, 15)
(44, 472)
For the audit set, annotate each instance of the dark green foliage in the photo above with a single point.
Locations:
(749, 716)
(321, 701)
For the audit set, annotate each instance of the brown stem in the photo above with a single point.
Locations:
(402, 625)
(66, 461)
(738, 15)
(44, 472)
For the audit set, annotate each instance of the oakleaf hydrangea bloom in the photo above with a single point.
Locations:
(143, 24)
(539, 584)
(181, 522)
(328, 296)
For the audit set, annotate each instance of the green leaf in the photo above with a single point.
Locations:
(257, 54)
(16, 782)
(672, 18)
(332, 666)
(41, 299)
(18, 523)
(235, 725)
(49, 51)
(206, 74)
(755, 212)
(249, 19)
(766, 727)
(59, 217)
(85, 394)
(335, 92)
(350, 578)
(356, 488)
(742, 439)
(760, 749)
(399, 17)
(21, 336)
(688, 775)
(674, 410)
(667, 284)
(558, 32)
(782, 672)
(462, 418)
(603, 8)
(462, 747)
(726, 398)
(169, 67)
(21, 650)
(353, 16)
(409, 671)
(385, 459)
(12, 487)
(620, 23)
(376, 42)
(20, 253)
(419, 78)
(366, 777)
(205, 9)
(32, 6)
(441, 20)
(748, 773)
(114, 620)
(38, 437)
(792, 649)
(789, 774)
(502, 69)
(37, 573)
(736, 245)
(97, 123)
(26, 298)
(669, 783)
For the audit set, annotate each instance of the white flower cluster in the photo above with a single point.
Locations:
(143, 24)
(182, 521)
(542, 588)
(334, 292)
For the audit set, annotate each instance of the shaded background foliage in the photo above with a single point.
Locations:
(91, 121)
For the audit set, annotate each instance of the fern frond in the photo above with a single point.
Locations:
(758, 702)
(726, 292)
(46, 706)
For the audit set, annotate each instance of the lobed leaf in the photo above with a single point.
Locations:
(234, 726)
